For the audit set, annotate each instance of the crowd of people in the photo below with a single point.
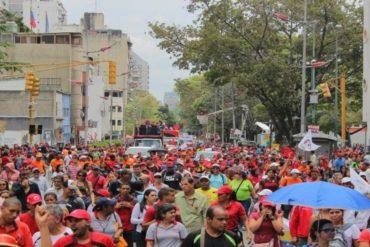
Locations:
(87, 196)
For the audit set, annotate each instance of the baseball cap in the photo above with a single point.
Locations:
(102, 192)
(215, 165)
(35, 170)
(8, 241)
(79, 214)
(267, 204)
(103, 201)
(205, 177)
(274, 164)
(72, 185)
(224, 190)
(157, 174)
(296, 171)
(346, 180)
(34, 199)
(264, 192)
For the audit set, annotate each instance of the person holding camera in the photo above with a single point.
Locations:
(266, 225)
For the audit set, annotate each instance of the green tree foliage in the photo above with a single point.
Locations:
(243, 41)
(142, 106)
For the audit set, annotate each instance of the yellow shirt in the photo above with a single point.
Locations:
(210, 194)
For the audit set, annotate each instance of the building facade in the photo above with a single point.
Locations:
(171, 99)
(139, 72)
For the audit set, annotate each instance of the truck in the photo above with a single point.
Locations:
(148, 136)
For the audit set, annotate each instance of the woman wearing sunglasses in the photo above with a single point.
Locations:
(321, 233)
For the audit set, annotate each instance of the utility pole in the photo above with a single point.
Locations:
(215, 123)
(111, 115)
(303, 99)
(222, 116)
(233, 106)
(313, 79)
(343, 108)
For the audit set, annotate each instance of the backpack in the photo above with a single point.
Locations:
(339, 239)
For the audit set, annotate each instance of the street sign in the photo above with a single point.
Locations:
(314, 128)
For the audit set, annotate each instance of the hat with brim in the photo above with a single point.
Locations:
(346, 180)
(204, 177)
(225, 190)
(103, 201)
(79, 214)
(295, 171)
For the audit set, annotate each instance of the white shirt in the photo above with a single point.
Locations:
(352, 234)
(137, 217)
(36, 238)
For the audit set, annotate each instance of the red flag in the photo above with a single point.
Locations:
(32, 20)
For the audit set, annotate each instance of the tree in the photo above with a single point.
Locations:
(243, 41)
(142, 106)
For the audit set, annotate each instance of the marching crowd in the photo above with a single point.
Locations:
(86, 196)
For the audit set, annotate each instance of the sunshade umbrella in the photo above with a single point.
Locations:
(320, 195)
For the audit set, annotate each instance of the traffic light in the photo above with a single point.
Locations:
(32, 129)
(39, 129)
(325, 89)
(36, 87)
(112, 72)
(30, 77)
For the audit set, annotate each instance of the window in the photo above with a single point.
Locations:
(106, 94)
(48, 39)
(62, 39)
(119, 109)
(113, 122)
(65, 112)
(119, 122)
(115, 94)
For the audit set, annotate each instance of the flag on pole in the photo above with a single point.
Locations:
(360, 185)
(46, 22)
(306, 143)
(32, 20)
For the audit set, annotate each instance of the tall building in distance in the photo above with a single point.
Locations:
(171, 99)
(139, 72)
(40, 16)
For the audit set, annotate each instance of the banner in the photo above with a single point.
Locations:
(360, 185)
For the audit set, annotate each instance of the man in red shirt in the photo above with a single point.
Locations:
(96, 179)
(80, 221)
(9, 212)
(29, 217)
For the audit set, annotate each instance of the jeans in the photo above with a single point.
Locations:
(247, 204)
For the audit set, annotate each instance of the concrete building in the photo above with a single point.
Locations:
(171, 99)
(139, 72)
(14, 114)
(3, 4)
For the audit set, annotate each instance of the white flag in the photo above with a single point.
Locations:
(360, 185)
(306, 143)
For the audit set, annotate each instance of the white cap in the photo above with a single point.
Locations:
(346, 180)
(264, 177)
(296, 171)
(204, 176)
(215, 165)
(274, 164)
(264, 192)
(157, 174)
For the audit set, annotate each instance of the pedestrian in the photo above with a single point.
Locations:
(24, 188)
(9, 173)
(214, 233)
(216, 178)
(206, 190)
(40, 181)
(70, 196)
(137, 216)
(243, 190)
(55, 225)
(166, 232)
(350, 231)
(299, 224)
(33, 200)
(57, 186)
(80, 223)
(321, 233)
(9, 211)
(193, 205)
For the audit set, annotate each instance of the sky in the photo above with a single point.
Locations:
(132, 17)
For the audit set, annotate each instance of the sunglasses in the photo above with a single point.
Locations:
(328, 230)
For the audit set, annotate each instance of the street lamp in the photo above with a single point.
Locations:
(336, 80)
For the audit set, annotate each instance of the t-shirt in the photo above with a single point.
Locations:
(107, 226)
(364, 236)
(352, 233)
(210, 194)
(235, 211)
(244, 191)
(30, 221)
(99, 238)
(216, 181)
(166, 237)
(36, 238)
(20, 232)
(227, 239)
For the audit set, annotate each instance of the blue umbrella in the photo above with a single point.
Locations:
(320, 195)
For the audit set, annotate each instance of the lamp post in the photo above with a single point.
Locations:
(336, 82)
(303, 99)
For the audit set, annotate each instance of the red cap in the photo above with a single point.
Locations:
(267, 204)
(102, 192)
(170, 164)
(79, 214)
(225, 190)
(7, 240)
(34, 199)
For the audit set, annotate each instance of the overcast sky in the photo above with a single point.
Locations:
(132, 17)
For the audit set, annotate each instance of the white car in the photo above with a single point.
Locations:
(135, 150)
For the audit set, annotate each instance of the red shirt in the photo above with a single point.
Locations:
(125, 215)
(30, 221)
(364, 236)
(98, 239)
(235, 210)
(20, 232)
(97, 182)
